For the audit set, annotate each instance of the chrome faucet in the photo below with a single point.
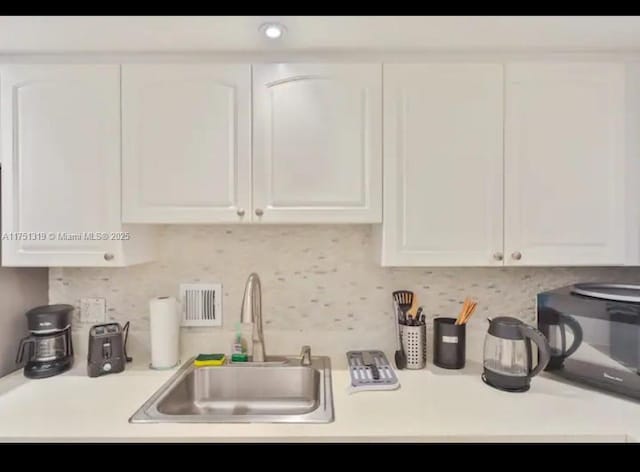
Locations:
(252, 314)
(305, 355)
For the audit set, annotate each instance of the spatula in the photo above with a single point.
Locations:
(404, 299)
(400, 356)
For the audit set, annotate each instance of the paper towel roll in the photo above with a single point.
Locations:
(165, 332)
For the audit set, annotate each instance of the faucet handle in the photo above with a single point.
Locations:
(305, 355)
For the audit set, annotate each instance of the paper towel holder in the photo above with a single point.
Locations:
(201, 304)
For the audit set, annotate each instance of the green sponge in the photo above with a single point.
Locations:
(239, 357)
(209, 360)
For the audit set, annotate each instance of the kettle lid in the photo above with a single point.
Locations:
(506, 327)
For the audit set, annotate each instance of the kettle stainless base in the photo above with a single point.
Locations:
(506, 383)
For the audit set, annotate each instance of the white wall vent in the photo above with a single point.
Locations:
(201, 304)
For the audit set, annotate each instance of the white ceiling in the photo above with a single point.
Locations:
(319, 33)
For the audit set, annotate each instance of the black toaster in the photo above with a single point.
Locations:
(107, 349)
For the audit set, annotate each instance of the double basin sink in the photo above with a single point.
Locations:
(281, 391)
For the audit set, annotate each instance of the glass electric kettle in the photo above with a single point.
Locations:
(508, 356)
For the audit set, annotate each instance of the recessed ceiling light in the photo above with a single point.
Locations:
(273, 30)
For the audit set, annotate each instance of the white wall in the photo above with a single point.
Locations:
(20, 290)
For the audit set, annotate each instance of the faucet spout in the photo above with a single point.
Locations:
(251, 313)
(305, 356)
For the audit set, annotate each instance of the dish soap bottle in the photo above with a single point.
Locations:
(238, 351)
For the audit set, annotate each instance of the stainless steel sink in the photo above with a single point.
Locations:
(269, 392)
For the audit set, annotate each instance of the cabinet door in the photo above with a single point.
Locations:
(186, 148)
(61, 164)
(317, 149)
(443, 164)
(564, 164)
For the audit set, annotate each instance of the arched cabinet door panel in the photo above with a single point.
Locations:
(317, 151)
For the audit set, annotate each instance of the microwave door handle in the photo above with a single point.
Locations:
(577, 334)
(543, 347)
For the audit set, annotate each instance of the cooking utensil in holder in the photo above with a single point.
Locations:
(414, 343)
(449, 343)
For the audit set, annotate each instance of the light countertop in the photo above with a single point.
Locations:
(431, 405)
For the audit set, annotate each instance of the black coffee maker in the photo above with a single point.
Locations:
(49, 344)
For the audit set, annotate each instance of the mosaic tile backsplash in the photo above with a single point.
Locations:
(320, 286)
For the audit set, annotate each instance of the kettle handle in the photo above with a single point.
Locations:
(577, 334)
(543, 347)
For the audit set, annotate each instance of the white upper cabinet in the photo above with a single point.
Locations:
(317, 151)
(443, 146)
(186, 143)
(61, 168)
(565, 164)
(485, 164)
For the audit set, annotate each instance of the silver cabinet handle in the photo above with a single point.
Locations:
(516, 256)
(259, 212)
(108, 256)
(497, 256)
(240, 212)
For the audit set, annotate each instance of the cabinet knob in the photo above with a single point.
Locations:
(516, 256)
(240, 212)
(497, 256)
(259, 212)
(108, 256)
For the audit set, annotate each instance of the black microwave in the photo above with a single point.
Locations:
(594, 334)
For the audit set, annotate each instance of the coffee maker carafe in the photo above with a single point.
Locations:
(508, 355)
(50, 350)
